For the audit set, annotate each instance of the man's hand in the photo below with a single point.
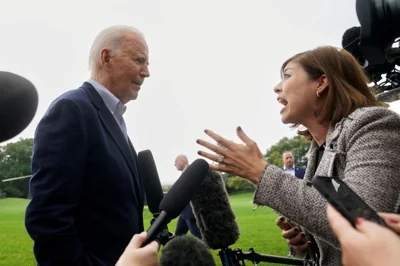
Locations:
(294, 237)
(134, 255)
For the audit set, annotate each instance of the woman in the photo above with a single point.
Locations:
(354, 137)
(369, 245)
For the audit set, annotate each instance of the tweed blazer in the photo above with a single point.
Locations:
(363, 149)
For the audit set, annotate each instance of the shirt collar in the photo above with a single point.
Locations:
(112, 102)
(285, 168)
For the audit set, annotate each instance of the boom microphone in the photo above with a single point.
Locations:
(186, 250)
(178, 196)
(18, 104)
(151, 181)
(350, 42)
(214, 214)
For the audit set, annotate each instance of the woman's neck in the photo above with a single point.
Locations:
(318, 131)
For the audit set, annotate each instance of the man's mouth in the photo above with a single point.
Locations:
(137, 84)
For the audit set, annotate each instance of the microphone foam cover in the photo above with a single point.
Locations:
(151, 180)
(214, 213)
(186, 250)
(18, 104)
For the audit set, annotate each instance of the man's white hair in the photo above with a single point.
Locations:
(110, 38)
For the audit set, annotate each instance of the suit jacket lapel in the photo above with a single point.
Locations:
(311, 157)
(112, 127)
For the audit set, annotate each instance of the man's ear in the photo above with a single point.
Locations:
(105, 59)
(323, 84)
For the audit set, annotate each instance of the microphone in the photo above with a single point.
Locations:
(214, 214)
(18, 104)
(151, 181)
(178, 196)
(153, 191)
(350, 42)
(186, 250)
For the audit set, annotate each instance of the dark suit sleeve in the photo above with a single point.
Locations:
(300, 173)
(58, 165)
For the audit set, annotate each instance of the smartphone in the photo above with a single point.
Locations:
(345, 200)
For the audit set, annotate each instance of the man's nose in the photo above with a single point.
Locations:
(145, 72)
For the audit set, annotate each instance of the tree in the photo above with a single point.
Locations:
(15, 161)
(297, 145)
(237, 184)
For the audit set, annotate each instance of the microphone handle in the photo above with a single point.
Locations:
(156, 228)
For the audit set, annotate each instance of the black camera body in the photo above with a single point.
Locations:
(373, 45)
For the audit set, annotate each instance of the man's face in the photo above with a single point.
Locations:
(179, 164)
(288, 159)
(128, 68)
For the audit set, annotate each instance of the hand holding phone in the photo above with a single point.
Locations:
(345, 200)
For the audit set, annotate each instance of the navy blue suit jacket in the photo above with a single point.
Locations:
(87, 197)
(299, 172)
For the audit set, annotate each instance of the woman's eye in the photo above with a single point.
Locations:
(286, 76)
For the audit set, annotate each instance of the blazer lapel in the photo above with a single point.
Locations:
(326, 165)
(112, 127)
(311, 157)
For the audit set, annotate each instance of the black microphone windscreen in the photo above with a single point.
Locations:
(350, 36)
(151, 181)
(182, 191)
(18, 104)
(350, 42)
(186, 250)
(214, 213)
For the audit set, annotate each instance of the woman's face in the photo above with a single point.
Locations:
(297, 93)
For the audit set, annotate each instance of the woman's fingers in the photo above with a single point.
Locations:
(248, 141)
(213, 157)
(224, 142)
(211, 147)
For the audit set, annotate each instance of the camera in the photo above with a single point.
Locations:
(375, 45)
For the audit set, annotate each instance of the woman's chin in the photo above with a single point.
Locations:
(284, 119)
(287, 120)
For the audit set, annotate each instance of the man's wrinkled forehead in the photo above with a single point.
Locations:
(136, 42)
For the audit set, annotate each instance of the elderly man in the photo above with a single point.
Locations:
(186, 221)
(87, 196)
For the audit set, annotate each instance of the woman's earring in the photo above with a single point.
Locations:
(318, 95)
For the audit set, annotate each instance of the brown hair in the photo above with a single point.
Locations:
(348, 85)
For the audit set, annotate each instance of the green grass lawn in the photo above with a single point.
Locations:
(258, 230)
